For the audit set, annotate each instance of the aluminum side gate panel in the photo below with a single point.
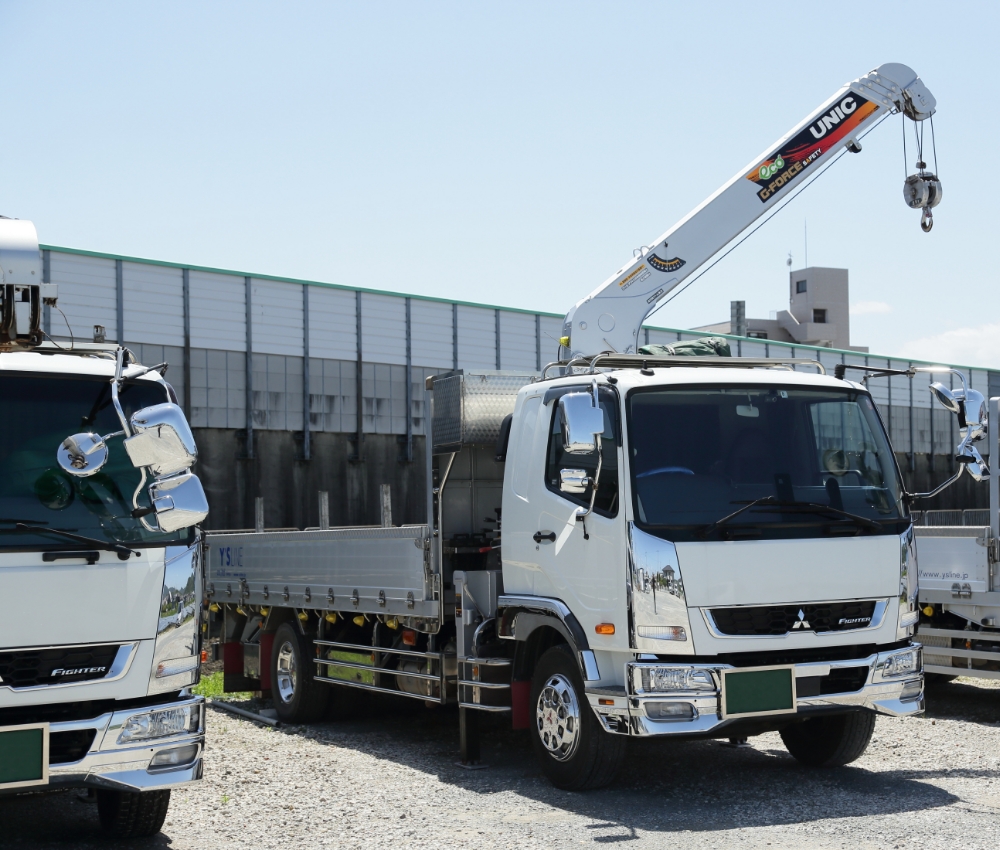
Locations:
(369, 570)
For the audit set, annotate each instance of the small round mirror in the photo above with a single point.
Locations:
(945, 396)
(82, 454)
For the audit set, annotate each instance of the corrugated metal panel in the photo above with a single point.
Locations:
(879, 387)
(383, 329)
(476, 338)
(517, 341)
(332, 324)
(218, 311)
(752, 348)
(277, 392)
(551, 330)
(921, 390)
(431, 334)
(333, 394)
(88, 295)
(154, 304)
(276, 308)
(218, 389)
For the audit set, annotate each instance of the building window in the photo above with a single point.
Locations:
(800, 286)
(757, 334)
(819, 317)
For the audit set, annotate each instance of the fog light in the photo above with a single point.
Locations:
(676, 679)
(901, 664)
(174, 757)
(911, 691)
(670, 711)
(159, 724)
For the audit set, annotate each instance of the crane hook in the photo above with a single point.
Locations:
(926, 220)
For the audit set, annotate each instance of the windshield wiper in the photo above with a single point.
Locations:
(123, 552)
(810, 507)
(815, 507)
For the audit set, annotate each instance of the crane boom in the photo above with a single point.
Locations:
(610, 317)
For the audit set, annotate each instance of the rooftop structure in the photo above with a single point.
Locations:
(818, 313)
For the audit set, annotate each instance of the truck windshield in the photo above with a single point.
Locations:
(697, 455)
(40, 411)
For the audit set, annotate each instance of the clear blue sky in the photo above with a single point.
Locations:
(507, 153)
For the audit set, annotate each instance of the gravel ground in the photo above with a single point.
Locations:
(390, 780)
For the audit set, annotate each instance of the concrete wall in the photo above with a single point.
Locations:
(290, 485)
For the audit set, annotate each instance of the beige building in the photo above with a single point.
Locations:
(818, 313)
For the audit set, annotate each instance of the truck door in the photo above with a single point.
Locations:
(545, 550)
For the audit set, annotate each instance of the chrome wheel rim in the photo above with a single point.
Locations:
(557, 717)
(286, 672)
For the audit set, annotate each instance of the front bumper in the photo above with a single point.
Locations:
(126, 767)
(631, 711)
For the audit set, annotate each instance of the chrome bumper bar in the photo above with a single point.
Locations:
(631, 711)
(126, 767)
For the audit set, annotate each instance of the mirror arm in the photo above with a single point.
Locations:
(115, 386)
(912, 497)
(582, 516)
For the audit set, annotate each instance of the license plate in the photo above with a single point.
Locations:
(758, 691)
(24, 755)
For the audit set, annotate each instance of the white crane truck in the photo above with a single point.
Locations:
(100, 565)
(630, 544)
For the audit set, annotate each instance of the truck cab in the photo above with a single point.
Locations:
(728, 552)
(100, 566)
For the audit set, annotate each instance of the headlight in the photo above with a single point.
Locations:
(901, 664)
(676, 679)
(159, 724)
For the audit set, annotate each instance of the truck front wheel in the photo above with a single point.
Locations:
(575, 753)
(830, 741)
(126, 814)
(298, 697)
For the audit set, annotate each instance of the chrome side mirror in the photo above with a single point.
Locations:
(178, 501)
(947, 398)
(976, 416)
(575, 481)
(82, 455)
(162, 440)
(582, 423)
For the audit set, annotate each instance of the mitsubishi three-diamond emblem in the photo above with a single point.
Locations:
(802, 622)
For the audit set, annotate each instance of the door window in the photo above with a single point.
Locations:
(606, 502)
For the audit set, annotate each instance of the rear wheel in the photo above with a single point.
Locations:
(830, 741)
(298, 698)
(573, 749)
(125, 814)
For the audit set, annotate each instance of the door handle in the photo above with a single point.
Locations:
(539, 536)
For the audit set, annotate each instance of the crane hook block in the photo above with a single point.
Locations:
(923, 192)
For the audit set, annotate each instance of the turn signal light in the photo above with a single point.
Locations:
(605, 628)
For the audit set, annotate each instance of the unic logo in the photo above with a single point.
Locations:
(769, 169)
(833, 117)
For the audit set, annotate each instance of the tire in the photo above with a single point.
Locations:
(126, 814)
(830, 741)
(298, 698)
(573, 750)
